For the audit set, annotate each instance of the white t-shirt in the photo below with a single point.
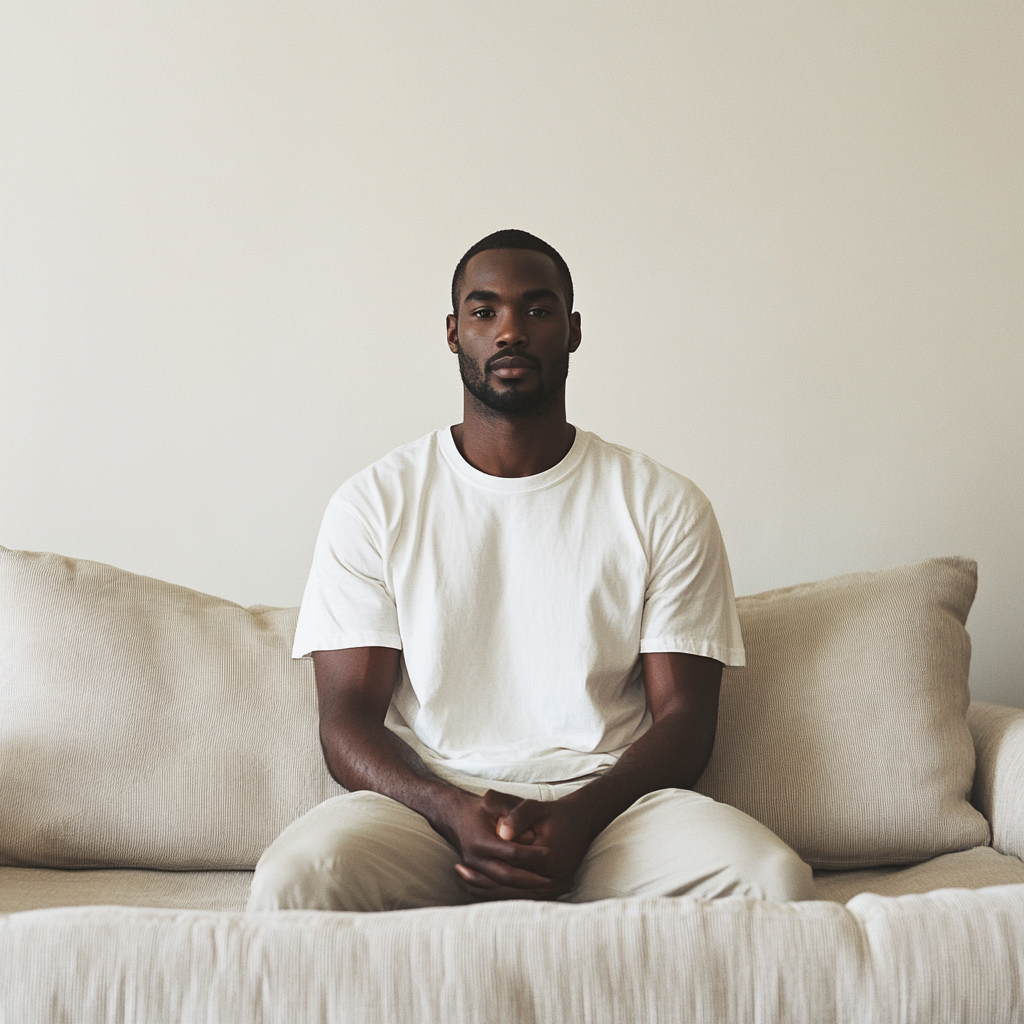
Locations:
(520, 605)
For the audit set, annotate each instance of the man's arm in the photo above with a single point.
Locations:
(354, 688)
(682, 692)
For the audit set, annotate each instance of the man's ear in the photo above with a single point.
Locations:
(453, 332)
(575, 331)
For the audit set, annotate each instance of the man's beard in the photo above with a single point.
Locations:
(512, 401)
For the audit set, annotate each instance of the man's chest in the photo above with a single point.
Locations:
(529, 557)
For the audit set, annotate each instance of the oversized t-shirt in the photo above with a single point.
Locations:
(521, 605)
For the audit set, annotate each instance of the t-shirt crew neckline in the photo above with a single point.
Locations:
(514, 484)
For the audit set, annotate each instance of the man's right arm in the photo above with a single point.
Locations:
(354, 688)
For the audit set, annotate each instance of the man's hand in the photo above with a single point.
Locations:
(520, 849)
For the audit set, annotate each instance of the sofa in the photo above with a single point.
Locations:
(154, 740)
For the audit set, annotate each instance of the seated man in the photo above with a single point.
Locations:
(518, 632)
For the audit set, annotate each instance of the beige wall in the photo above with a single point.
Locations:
(796, 231)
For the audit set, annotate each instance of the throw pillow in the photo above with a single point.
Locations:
(846, 733)
(143, 724)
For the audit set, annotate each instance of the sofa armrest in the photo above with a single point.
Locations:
(999, 773)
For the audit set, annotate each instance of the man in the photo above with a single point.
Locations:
(518, 632)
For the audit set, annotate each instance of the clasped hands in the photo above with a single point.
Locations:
(518, 849)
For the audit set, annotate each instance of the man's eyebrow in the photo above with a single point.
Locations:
(530, 296)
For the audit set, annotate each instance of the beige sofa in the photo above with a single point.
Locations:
(154, 740)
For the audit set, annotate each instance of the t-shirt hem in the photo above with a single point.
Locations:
(732, 656)
(545, 771)
(343, 641)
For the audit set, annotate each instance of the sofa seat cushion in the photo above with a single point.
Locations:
(38, 888)
(846, 734)
(969, 869)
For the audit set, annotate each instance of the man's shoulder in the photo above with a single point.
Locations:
(644, 476)
(390, 475)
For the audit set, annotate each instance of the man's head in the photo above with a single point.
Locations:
(512, 326)
(512, 238)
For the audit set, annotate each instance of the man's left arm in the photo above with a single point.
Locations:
(682, 693)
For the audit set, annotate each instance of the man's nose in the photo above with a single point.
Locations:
(511, 328)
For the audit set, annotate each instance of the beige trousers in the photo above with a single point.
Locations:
(364, 851)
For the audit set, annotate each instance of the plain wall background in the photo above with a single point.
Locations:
(795, 229)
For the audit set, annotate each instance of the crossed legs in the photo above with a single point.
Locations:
(363, 851)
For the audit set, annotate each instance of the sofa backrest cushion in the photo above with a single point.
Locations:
(846, 733)
(144, 724)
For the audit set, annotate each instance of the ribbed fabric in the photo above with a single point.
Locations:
(846, 734)
(953, 957)
(629, 961)
(999, 779)
(946, 957)
(144, 724)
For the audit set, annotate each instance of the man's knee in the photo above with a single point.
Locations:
(297, 870)
(677, 843)
(359, 851)
(773, 871)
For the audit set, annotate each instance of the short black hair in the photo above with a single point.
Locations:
(512, 238)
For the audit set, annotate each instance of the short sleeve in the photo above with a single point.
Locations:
(346, 602)
(689, 605)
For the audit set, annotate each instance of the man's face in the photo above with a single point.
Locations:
(513, 333)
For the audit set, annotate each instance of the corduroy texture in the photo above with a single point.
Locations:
(999, 778)
(144, 724)
(952, 957)
(846, 734)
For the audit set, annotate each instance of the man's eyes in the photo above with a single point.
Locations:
(485, 313)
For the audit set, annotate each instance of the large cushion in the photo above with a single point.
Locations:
(846, 734)
(144, 724)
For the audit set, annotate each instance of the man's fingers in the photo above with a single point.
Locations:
(474, 878)
(497, 872)
(483, 888)
(520, 819)
(516, 854)
(496, 802)
(515, 815)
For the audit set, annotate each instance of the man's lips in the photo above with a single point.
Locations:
(511, 367)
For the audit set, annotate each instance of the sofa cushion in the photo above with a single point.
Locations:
(979, 868)
(37, 888)
(144, 724)
(846, 733)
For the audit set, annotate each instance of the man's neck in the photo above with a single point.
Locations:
(513, 446)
